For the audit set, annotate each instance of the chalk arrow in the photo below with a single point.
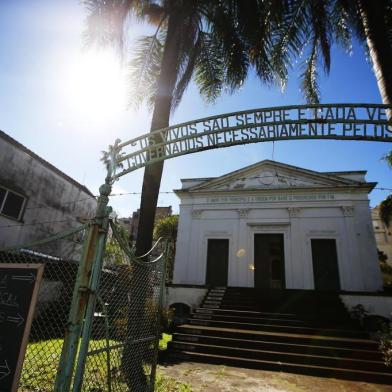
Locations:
(18, 319)
(4, 370)
(27, 278)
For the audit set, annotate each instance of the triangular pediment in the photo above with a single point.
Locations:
(272, 175)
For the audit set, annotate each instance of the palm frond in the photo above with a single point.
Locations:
(340, 23)
(186, 73)
(255, 20)
(289, 36)
(144, 69)
(321, 29)
(107, 21)
(309, 86)
(233, 48)
(388, 21)
(209, 69)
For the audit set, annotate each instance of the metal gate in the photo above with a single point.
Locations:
(115, 340)
(121, 353)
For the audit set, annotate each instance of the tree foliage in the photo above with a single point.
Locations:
(386, 210)
(167, 228)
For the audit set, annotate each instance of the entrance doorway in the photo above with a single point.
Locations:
(269, 261)
(217, 262)
(325, 265)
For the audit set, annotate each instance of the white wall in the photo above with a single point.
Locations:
(345, 219)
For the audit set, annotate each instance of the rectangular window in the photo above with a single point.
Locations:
(11, 204)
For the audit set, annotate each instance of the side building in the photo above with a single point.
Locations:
(131, 224)
(38, 200)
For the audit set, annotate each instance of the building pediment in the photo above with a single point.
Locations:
(273, 175)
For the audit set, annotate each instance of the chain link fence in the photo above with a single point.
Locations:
(123, 349)
(53, 305)
(125, 329)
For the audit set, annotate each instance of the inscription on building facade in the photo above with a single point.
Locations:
(270, 198)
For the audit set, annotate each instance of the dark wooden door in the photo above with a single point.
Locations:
(217, 262)
(269, 261)
(325, 265)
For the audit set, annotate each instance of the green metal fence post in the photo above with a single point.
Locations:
(81, 293)
(89, 316)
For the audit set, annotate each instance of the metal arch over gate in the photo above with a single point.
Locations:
(367, 122)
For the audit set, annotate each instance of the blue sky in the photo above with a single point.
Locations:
(43, 105)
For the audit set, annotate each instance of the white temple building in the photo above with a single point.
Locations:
(272, 225)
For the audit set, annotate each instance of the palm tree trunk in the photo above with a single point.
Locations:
(160, 119)
(135, 355)
(372, 15)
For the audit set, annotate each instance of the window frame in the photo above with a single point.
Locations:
(22, 208)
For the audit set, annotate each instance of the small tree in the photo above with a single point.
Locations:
(167, 228)
(386, 210)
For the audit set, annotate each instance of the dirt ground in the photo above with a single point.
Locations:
(217, 378)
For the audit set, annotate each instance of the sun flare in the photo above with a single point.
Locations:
(96, 86)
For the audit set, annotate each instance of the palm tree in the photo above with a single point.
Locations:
(312, 26)
(213, 42)
(376, 27)
(208, 41)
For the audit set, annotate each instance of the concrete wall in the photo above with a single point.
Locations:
(374, 305)
(191, 296)
(50, 197)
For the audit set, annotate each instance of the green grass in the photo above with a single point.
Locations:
(42, 358)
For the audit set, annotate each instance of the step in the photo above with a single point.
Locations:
(280, 328)
(211, 302)
(247, 317)
(374, 377)
(323, 350)
(327, 316)
(245, 313)
(319, 340)
(216, 294)
(212, 298)
(297, 307)
(281, 356)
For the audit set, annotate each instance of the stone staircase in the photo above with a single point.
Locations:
(295, 331)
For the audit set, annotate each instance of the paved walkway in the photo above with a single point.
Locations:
(217, 378)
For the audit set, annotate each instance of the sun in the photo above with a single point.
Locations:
(96, 85)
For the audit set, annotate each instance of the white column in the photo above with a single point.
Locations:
(242, 255)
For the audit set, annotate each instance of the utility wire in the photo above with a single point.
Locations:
(33, 207)
(139, 193)
(41, 223)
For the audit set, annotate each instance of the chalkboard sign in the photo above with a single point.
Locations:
(19, 284)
